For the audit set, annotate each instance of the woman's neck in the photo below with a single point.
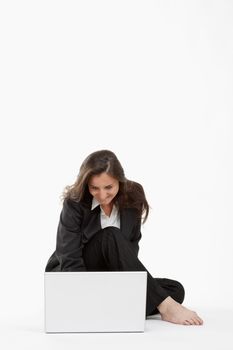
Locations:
(107, 208)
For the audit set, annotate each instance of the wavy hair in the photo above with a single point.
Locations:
(130, 194)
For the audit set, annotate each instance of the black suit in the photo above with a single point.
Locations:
(77, 225)
(80, 234)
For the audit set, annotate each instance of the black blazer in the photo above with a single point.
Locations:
(77, 225)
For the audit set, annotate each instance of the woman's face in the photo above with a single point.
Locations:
(103, 187)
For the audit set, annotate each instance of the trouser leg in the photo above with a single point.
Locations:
(109, 250)
(174, 288)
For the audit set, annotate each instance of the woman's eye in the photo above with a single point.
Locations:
(108, 188)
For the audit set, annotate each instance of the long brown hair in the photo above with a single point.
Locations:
(130, 194)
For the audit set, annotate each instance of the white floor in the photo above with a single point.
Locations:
(26, 332)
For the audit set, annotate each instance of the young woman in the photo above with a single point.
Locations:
(99, 230)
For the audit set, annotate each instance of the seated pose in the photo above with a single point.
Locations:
(99, 230)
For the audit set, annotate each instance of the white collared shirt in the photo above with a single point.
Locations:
(105, 220)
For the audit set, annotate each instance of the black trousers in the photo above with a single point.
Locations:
(108, 250)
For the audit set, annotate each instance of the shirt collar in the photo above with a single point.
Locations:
(95, 203)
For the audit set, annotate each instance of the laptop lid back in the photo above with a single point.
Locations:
(98, 301)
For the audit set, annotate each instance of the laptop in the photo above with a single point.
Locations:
(95, 301)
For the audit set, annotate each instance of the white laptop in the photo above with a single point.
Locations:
(95, 301)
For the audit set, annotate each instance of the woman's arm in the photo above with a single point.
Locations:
(69, 242)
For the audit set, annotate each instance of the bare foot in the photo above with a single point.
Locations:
(174, 312)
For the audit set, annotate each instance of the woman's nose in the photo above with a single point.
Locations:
(102, 196)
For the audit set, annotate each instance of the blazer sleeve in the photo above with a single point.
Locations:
(136, 236)
(69, 238)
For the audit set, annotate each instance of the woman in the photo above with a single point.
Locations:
(99, 230)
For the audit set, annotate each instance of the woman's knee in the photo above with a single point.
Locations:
(110, 231)
(111, 236)
(104, 235)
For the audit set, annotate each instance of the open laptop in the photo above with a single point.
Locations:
(95, 301)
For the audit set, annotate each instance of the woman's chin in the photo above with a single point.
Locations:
(106, 202)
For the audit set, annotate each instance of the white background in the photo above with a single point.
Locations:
(151, 81)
